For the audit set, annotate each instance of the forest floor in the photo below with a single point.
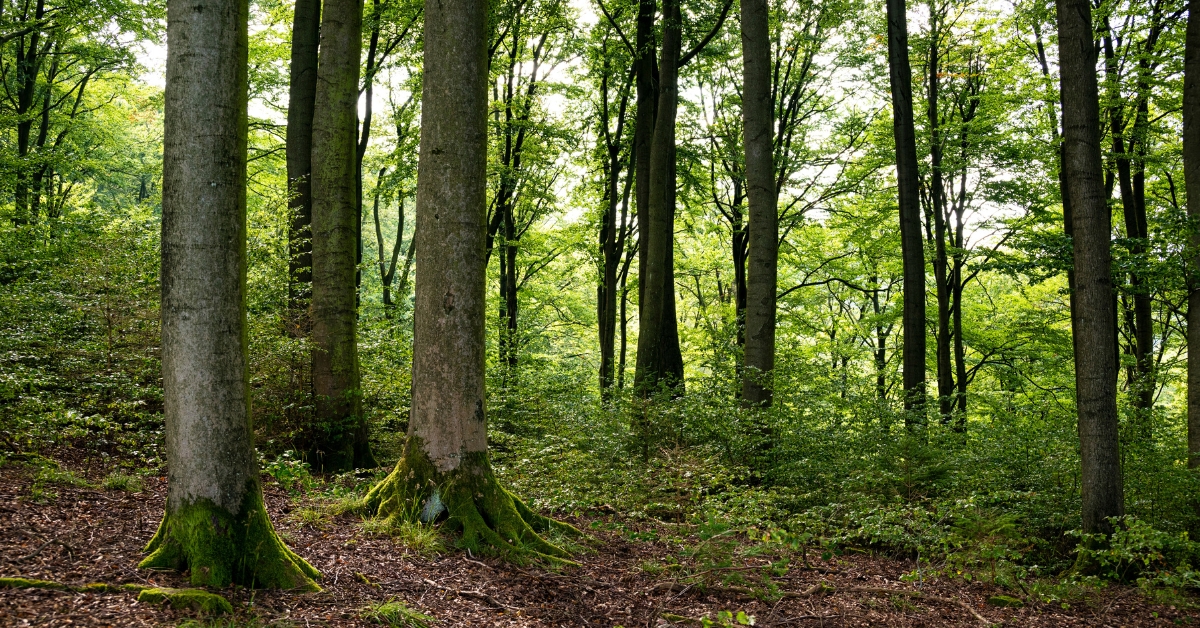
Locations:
(83, 534)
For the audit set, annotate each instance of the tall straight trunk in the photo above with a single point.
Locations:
(340, 434)
(364, 140)
(29, 55)
(758, 108)
(912, 248)
(646, 78)
(937, 202)
(881, 336)
(215, 525)
(740, 248)
(302, 93)
(1092, 316)
(614, 229)
(1191, 170)
(659, 361)
(956, 295)
(444, 467)
(624, 320)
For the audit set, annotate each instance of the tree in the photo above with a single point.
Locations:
(340, 431)
(758, 116)
(302, 94)
(215, 524)
(912, 248)
(1092, 313)
(659, 358)
(444, 468)
(1191, 169)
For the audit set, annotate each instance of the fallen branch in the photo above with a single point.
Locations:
(70, 551)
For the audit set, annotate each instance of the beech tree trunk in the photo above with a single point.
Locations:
(1191, 170)
(912, 247)
(1092, 315)
(758, 117)
(302, 93)
(659, 360)
(444, 467)
(215, 524)
(340, 433)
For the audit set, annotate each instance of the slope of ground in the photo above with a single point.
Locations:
(82, 534)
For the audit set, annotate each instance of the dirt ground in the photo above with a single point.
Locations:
(89, 535)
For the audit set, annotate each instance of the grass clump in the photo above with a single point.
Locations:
(316, 518)
(120, 481)
(419, 537)
(396, 614)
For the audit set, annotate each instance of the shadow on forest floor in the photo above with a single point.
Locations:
(76, 532)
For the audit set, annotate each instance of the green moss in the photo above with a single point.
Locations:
(194, 599)
(220, 548)
(1005, 601)
(474, 502)
(31, 583)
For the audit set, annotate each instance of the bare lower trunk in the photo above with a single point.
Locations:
(215, 524)
(1092, 315)
(911, 244)
(340, 432)
(659, 362)
(1191, 169)
(758, 117)
(302, 92)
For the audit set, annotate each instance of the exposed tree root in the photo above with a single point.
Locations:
(221, 548)
(94, 587)
(471, 501)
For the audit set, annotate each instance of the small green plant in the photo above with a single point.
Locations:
(396, 614)
(292, 473)
(55, 475)
(728, 619)
(119, 481)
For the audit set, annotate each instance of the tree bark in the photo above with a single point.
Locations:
(643, 132)
(758, 108)
(215, 523)
(659, 360)
(1092, 316)
(912, 251)
(302, 93)
(444, 467)
(937, 203)
(614, 224)
(340, 434)
(1191, 169)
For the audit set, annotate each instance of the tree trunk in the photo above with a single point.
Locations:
(740, 247)
(445, 467)
(215, 524)
(1092, 317)
(911, 245)
(302, 93)
(1191, 169)
(937, 202)
(340, 434)
(758, 109)
(659, 361)
(28, 64)
(643, 132)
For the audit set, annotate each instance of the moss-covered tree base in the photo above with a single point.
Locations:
(220, 548)
(472, 501)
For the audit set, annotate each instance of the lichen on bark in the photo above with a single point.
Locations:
(474, 503)
(220, 548)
